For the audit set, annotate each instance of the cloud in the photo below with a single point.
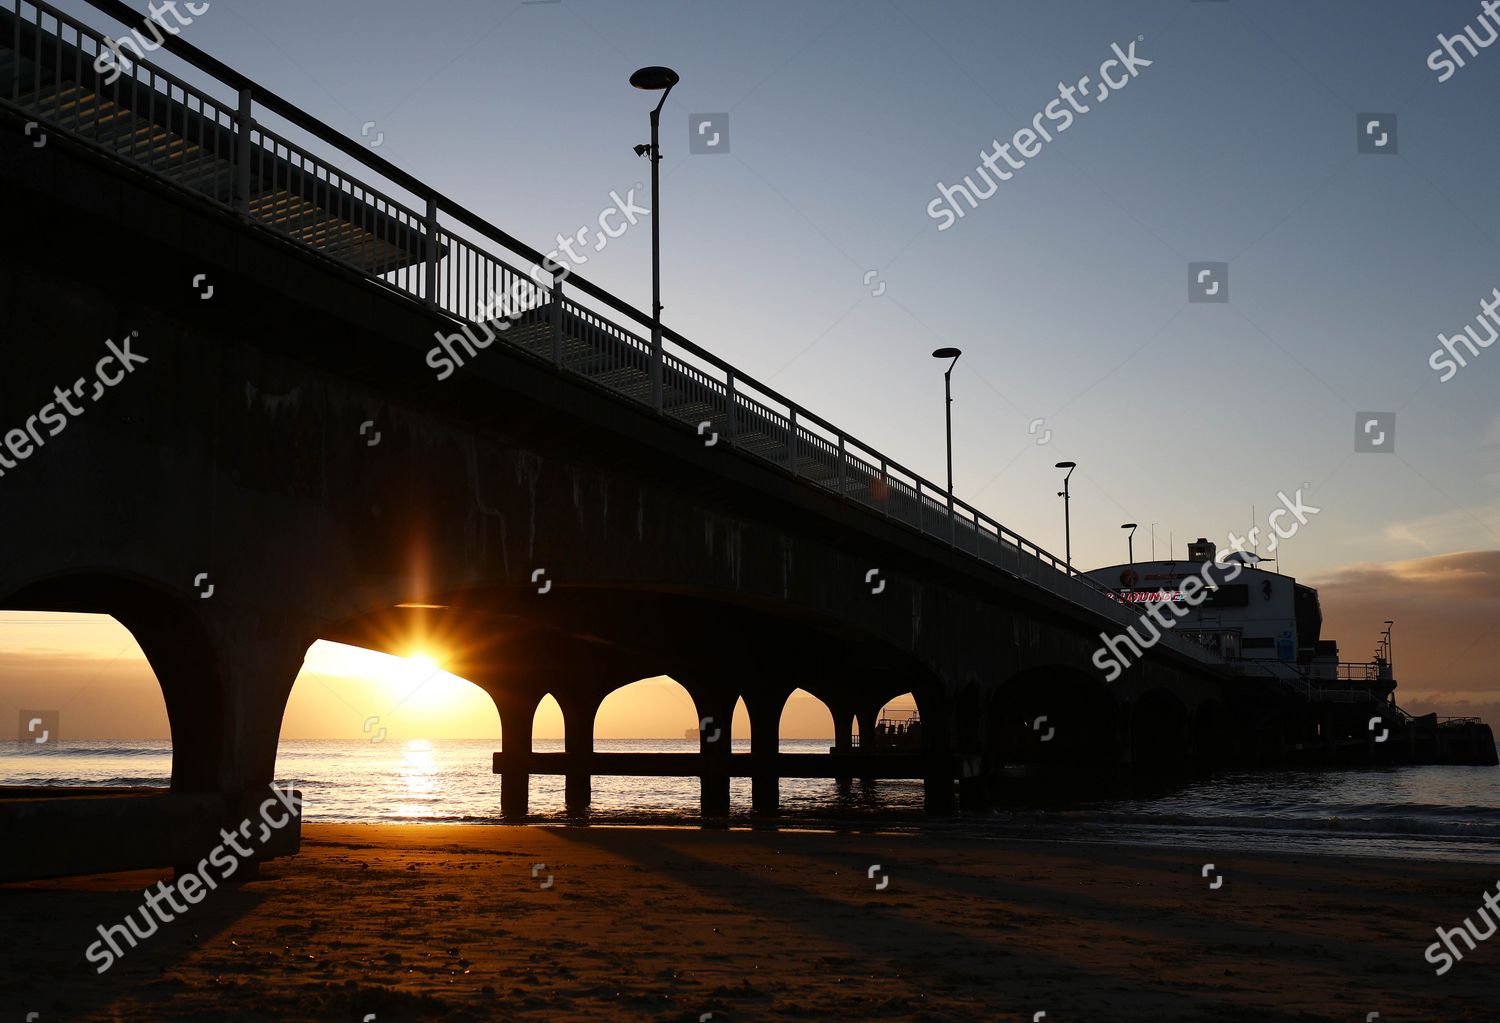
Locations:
(1446, 609)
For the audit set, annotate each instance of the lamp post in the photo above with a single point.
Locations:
(1130, 540)
(1067, 517)
(652, 79)
(949, 353)
(1387, 635)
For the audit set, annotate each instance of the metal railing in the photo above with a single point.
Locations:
(1319, 690)
(433, 250)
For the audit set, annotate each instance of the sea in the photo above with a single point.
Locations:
(1430, 813)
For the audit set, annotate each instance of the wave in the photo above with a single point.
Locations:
(1322, 823)
(67, 749)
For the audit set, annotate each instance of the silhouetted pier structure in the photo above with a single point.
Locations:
(289, 441)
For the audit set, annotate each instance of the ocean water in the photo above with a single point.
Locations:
(1407, 812)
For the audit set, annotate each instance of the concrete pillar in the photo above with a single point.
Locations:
(226, 689)
(579, 710)
(226, 719)
(765, 743)
(517, 719)
(715, 725)
(843, 738)
(867, 716)
(974, 794)
(938, 748)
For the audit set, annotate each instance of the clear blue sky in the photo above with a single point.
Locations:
(1067, 290)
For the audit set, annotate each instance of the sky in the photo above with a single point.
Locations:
(802, 251)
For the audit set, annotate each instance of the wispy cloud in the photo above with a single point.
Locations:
(1446, 609)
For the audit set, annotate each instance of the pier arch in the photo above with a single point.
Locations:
(1159, 733)
(805, 716)
(1054, 715)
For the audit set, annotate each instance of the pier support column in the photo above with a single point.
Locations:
(974, 794)
(579, 710)
(765, 743)
(867, 717)
(938, 749)
(517, 718)
(843, 738)
(715, 724)
(937, 790)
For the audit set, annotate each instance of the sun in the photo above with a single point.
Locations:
(422, 659)
(409, 690)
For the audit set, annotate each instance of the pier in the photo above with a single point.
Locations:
(553, 513)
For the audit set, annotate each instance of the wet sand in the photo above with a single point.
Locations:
(447, 923)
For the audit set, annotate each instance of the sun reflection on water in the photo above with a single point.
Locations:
(419, 779)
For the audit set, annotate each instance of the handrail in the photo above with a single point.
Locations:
(176, 45)
(414, 237)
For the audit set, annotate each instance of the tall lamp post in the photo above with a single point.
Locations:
(1387, 634)
(653, 79)
(1067, 517)
(949, 353)
(1130, 540)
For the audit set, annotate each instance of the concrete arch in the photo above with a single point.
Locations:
(224, 675)
(178, 648)
(45, 673)
(655, 708)
(895, 724)
(1211, 737)
(807, 711)
(1159, 735)
(1056, 716)
(348, 683)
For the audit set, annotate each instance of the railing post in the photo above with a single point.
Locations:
(885, 488)
(843, 466)
(729, 401)
(245, 122)
(557, 319)
(791, 441)
(432, 252)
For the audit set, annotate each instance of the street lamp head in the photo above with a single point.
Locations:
(1128, 525)
(1067, 465)
(654, 78)
(1390, 621)
(946, 353)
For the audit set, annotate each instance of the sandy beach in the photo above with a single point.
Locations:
(448, 923)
